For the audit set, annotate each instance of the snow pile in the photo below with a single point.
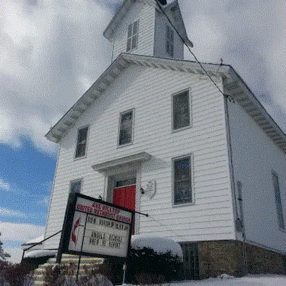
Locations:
(226, 280)
(34, 241)
(158, 244)
(40, 253)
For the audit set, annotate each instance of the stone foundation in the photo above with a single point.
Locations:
(218, 257)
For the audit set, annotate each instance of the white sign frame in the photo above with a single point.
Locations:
(93, 227)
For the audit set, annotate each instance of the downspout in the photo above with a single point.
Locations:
(238, 222)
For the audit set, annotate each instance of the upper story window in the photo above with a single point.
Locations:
(278, 201)
(181, 110)
(75, 186)
(169, 41)
(126, 128)
(132, 36)
(182, 180)
(81, 142)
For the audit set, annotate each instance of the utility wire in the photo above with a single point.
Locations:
(189, 49)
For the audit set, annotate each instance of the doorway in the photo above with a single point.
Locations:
(124, 194)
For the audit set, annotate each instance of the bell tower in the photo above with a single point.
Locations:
(148, 27)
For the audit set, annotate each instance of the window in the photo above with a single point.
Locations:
(182, 180)
(169, 41)
(181, 110)
(75, 186)
(278, 201)
(132, 36)
(125, 130)
(81, 142)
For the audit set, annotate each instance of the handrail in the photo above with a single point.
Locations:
(40, 242)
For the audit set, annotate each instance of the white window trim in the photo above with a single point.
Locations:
(86, 146)
(191, 156)
(75, 181)
(190, 110)
(132, 132)
(133, 49)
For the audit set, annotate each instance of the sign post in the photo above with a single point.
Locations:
(95, 228)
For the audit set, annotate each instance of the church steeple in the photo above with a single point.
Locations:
(141, 27)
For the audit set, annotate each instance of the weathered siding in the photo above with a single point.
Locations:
(145, 13)
(149, 91)
(255, 156)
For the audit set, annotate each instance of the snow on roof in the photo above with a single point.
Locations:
(40, 253)
(158, 244)
(34, 241)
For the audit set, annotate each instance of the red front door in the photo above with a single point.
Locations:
(125, 197)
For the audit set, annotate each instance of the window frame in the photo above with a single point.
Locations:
(188, 90)
(192, 202)
(77, 142)
(76, 181)
(170, 42)
(278, 202)
(132, 127)
(132, 36)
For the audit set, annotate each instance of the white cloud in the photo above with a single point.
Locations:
(4, 185)
(249, 35)
(52, 51)
(14, 234)
(20, 232)
(44, 202)
(16, 254)
(4, 212)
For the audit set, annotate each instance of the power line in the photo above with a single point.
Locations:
(189, 49)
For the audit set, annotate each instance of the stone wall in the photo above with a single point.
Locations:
(218, 257)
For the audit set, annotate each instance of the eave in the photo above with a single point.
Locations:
(117, 18)
(240, 92)
(233, 86)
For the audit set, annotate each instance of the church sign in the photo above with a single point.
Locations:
(96, 228)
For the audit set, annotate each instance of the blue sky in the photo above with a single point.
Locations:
(52, 51)
(26, 181)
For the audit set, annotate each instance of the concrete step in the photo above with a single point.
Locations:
(86, 262)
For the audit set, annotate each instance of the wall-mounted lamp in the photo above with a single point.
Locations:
(150, 189)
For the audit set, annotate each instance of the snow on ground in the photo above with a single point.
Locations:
(251, 280)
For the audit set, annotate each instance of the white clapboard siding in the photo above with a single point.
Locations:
(255, 156)
(145, 13)
(149, 91)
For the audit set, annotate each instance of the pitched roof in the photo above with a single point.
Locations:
(233, 83)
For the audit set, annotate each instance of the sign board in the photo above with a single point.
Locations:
(96, 228)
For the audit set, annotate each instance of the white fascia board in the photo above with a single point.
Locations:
(114, 70)
(257, 111)
(216, 71)
(121, 162)
(117, 18)
(173, 12)
(71, 116)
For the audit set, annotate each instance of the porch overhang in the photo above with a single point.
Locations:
(123, 162)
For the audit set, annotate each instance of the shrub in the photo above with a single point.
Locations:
(65, 275)
(60, 274)
(146, 266)
(15, 274)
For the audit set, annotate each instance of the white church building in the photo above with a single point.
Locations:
(198, 153)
